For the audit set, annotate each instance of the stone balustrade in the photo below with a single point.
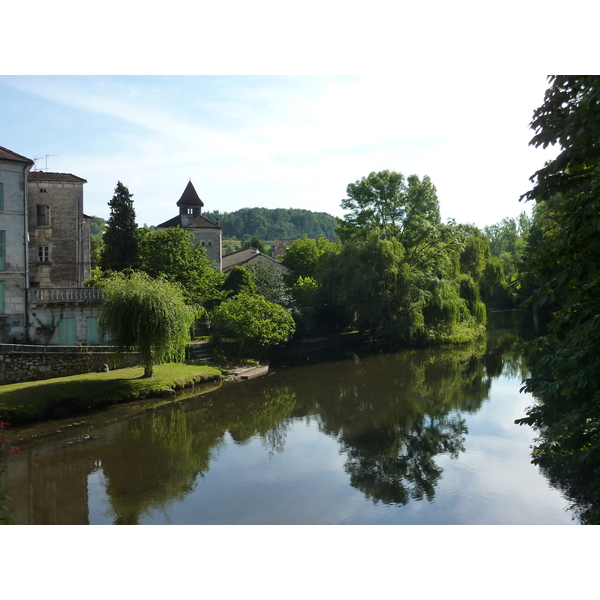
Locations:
(64, 295)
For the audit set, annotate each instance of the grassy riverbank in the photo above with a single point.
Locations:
(20, 402)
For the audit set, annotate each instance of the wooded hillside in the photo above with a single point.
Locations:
(273, 223)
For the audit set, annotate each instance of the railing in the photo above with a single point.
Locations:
(43, 295)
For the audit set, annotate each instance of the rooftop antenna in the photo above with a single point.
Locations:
(40, 158)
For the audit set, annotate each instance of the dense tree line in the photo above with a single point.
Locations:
(563, 274)
(502, 282)
(396, 272)
(273, 223)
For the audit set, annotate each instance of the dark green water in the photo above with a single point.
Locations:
(413, 437)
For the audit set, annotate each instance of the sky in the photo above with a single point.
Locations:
(280, 141)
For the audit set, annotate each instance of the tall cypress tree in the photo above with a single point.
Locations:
(120, 238)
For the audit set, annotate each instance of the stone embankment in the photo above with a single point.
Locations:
(19, 362)
(247, 372)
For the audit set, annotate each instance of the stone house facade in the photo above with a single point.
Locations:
(204, 232)
(59, 232)
(14, 170)
(44, 256)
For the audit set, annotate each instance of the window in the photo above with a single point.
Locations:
(2, 250)
(43, 254)
(1, 196)
(1, 297)
(43, 215)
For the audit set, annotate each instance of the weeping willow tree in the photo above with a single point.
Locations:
(145, 315)
(375, 285)
(398, 271)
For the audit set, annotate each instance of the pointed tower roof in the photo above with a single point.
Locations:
(189, 197)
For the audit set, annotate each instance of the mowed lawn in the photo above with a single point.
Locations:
(21, 402)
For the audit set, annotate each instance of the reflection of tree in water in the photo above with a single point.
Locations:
(579, 486)
(395, 413)
(565, 453)
(156, 461)
(159, 457)
(395, 465)
(504, 354)
(267, 418)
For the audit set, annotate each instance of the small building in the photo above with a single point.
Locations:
(204, 232)
(248, 257)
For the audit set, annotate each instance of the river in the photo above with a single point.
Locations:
(362, 437)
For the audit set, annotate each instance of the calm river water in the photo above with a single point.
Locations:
(413, 437)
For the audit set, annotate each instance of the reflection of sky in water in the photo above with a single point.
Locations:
(492, 482)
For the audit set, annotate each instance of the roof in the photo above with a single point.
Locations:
(245, 256)
(189, 197)
(6, 154)
(43, 176)
(199, 223)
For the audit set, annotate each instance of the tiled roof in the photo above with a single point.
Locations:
(238, 257)
(43, 176)
(199, 223)
(6, 154)
(189, 197)
(244, 256)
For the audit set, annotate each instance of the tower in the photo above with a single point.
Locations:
(204, 232)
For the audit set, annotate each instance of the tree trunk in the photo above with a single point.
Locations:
(148, 371)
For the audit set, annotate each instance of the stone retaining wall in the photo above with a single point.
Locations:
(33, 363)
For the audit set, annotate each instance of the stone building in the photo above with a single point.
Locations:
(59, 260)
(44, 256)
(14, 170)
(204, 232)
(59, 232)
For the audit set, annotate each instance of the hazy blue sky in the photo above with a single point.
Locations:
(277, 141)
